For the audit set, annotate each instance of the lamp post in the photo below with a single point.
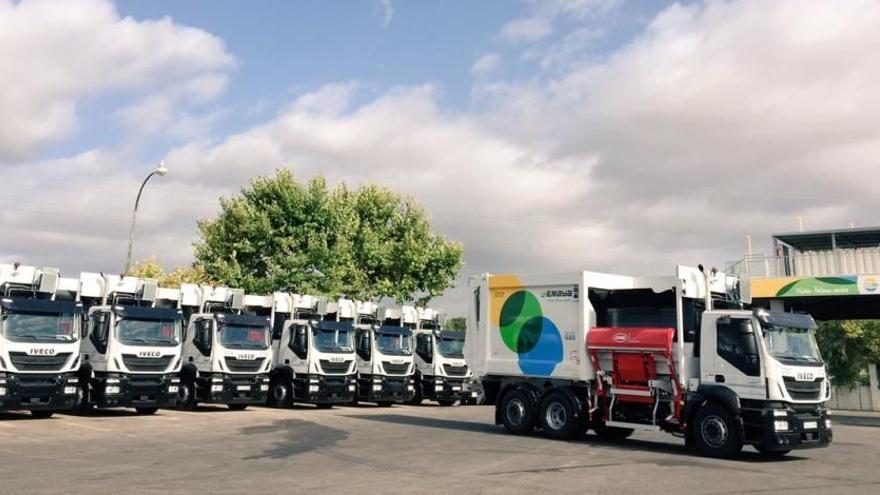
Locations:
(160, 171)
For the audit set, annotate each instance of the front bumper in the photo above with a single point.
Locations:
(446, 388)
(325, 389)
(807, 428)
(382, 388)
(227, 388)
(134, 390)
(38, 392)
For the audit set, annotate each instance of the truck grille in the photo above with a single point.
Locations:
(23, 362)
(395, 369)
(803, 390)
(455, 370)
(338, 368)
(244, 365)
(155, 365)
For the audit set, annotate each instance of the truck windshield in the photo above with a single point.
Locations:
(244, 336)
(39, 327)
(394, 344)
(791, 345)
(451, 348)
(135, 331)
(327, 340)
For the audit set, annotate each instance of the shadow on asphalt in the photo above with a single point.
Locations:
(685, 455)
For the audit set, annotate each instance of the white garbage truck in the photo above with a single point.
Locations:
(226, 352)
(384, 353)
(440, 371)
(313, 343)
(131, 348)
(571, 352)
(40, 330)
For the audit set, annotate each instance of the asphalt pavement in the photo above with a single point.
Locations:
(404, 449)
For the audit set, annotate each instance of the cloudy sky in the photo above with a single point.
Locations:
(617, 135)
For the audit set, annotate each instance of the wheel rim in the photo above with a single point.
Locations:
(555, 416)
(714, 431)
(516, 411)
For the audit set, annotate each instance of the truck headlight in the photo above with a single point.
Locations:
(172, 389)
(175, 380)
(313, 388)
(2, 390)
(438, 388)
(377, 387)
(216, 388)
(351, 387)
(68, 390)
(409, 387)
(780, 425)
(779, 413)
(216, 380)
(112, 389)
(827, 423)
(112, 381)
(264, 387)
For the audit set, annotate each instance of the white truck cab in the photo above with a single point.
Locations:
(226, 352)
(40, 330)
(440, 370)
(384, 348)
(131, 348)
(313, 340)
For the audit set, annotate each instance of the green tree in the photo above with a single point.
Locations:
(151, 268)
(279, 234)
(848, 348)
(457, 324)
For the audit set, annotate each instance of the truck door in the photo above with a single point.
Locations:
(425, 354)
(730, 356)
(363, 346)
(202, 344)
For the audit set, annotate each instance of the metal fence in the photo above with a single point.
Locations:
(809, 264)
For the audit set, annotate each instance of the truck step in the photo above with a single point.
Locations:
(634, 426)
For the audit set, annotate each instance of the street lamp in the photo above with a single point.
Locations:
(160, 171)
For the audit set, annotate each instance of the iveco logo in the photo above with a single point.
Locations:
(149, 354)
(804, 377)
(41, 351)
(620, 338)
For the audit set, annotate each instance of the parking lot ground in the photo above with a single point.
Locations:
(403, 449)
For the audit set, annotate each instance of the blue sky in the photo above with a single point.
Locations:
(551, 135)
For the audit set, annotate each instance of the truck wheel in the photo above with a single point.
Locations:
(717, 434)
(417, 393)
(446, 403)
(146, 411)
(186, 396)
(42, 414)
(237, 407)
(517, 412)
(281, 394)
(324, 406)
(557, 417)
(384, 404)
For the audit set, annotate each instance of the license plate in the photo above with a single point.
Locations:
(243, 388)
(811, 425)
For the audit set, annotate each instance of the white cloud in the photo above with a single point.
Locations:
(527, 29)
(539, 23)
(55, 53)
(385, 11)
(486, 64)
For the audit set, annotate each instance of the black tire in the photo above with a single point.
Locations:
(384, 404)
(280, 394)
(717, 432)
(558, 417)
(446, 402)
(83, 404)
(613, 433)
(237, 407)
(186, 395)
(324, 406)
(146, 411)
(771, 454)
(42, 414)
(517, 412)
(417, 397)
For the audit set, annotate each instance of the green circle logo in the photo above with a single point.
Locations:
(521, 322)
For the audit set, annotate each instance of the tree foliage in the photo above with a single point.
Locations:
(151, 268)
(457, 324)
(848, 348)
(279, 234)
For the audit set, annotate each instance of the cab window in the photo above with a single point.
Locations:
(737, 344)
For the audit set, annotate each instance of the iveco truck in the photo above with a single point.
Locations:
(384, 350)
(313, 343)
(440, 371)
(40, 328)
(567, 353)
(131, 348)
(226, 351)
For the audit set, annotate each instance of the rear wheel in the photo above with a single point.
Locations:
(446, 402)
(613, 433)
(186, 395)
(146, 411)
(237, 407)
(517, 412)
(281, 394)
(42, 414)
(558, 417)
(417, 392)
(717, 433)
